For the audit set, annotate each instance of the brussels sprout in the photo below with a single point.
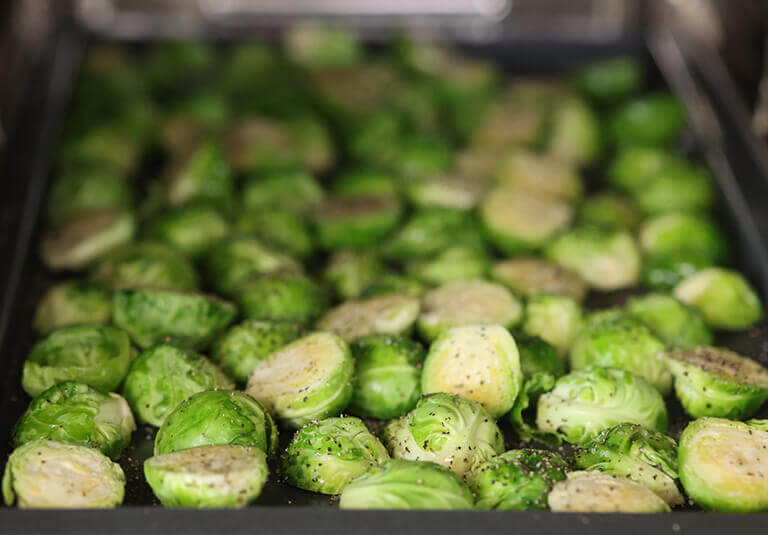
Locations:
(649, 120)
(108, 146)
(78, 414)
(289, 298)
(523, 422)
(375, 140)
(445, 429)
(518, 221)
(467, 303)
(556, 319)
(724, 296)
(678, 188)
(634, 168)
(217, 418)
(74, 194)
(244, 345)
(516, 480)
(530, 277)
(192, 120)
(387, 376)
(147, 264)
(201, 174)
(608, 210)
(308, 379)
(354, 222)
(722, 465)
(477, 362)
(588, 400)
(288, 190)
(668, 234)
(623, 343)
(575, 132)
(190, 229)
(86, 238)
(598, 492)
(538, 356)
(451, 265)
(151, 316)
(47, 474)
(313, 46)
(172, 65)
(541, 175)
(672, 322)
(208, 476)
(421, 156)
(508, 123)
(390, 283)
(606, 260)
(366, 183)
(350, 272)
(400, 484)
(631, 451)
(73, 302)
(479, 162)
(280, 229)
(387, 314)
(163, 376)
(459, 192)
(96, 355)
(712, 381)
(610, 79)
(663, 273)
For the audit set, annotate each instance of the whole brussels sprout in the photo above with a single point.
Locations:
(96, 355)
(634, 167)
(78, 414)
(556, 319)
(540, 175)
(366, 183)
(537, 356)
(289, 190)
(530, 277)
(663, 273)
(217, 418)
(280, 229)
(308, 379)
(325, 456)
(350, 272)
(163, 376)
(588, 400)
(670, 233)
(354, 222)
(610, 79)
(151, 316)
(229, 476)
(400, 484)
(478, 362)
(598, 492)
(649, 120)
(451, 265)
(190, 228)
(387, 314)
(291, 298)
(387, 376)
(74, 194)
(676, 188)
(48, 474)
(314, 46)
(724, 296)
(73, 302)
(447, 190)
(391, 283)
(445, 429)
(201, 174)
(575, 132)
(608, 210)
(516, 480)
(672, 322)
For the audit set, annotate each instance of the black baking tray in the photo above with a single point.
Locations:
(718, 135)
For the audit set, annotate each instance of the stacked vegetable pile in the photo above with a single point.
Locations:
(404, 239)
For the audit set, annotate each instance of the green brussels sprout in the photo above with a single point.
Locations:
(190, 229)
(574, 135)
(280, 229)
(109, 146)
(366, 183)
(78, 414)
(538, 356)
(521, 416)
(291, 298)
(163, 376)
(671, 233)
(201, 174)
(649, 120)
(239, 349)
(610, 79)
(724, 296)
(349, 272)
(608, 210)
(325, 456)
(387, 376)
(375, 139)
(480, 162)
(193, 119)
(711, 381)
(401, 484)
(606, 260)
(313, 46)
(172, 65)
(530, 277)
(477, 362)
(387, 314)
(452, 265)
(217, 418)
(354, 222)
(146, 264)
(721, 465)
(516, 480)
(308, 379)
(446, 429)
(672, 322)
(541, 175)
(467, 303)
(588, 400)
(288, 190)
(624, 343)
(676, 188)
(598, 492)
(48, 474)
(556, 319)
(459, 192)
(663, 273)
(517, 221)
(631, 451)
(96, 355)
(633, 168)
(73, 302)
(422, 155)
(508, 123)
(151, 316)
(85, 238)
(229, 476)
(391, 283)
(74, 194)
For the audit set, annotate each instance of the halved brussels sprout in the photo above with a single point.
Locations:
(671, 233)
(192, 120)
(724, 296)
(354, 222)
(610, 79)
(608, 210)
(676, 188)
(163, 376)
(556, 319)
(96, 355)
(483, 163)
(217, 418)
(574, 134)
(74, 194)
(508, 123)
(200, 174)
(391, 283)
(530, 277)
(477, 362)
(73, 302)
(190, 229)
(147, 264)
(350, 272)
(634, 167)
(598, 492)
(451, 265)
(467, 303)
(208, 476)
(291, 298)
(722, 465)
(516, 480)
(522, 417)
(109, 146)
(47, 474)
(672, 322)
(151, 316)
(541, 175)
(288, 190)
(663, 273)
(387, 314)
(711, 381)
(314, 46)
(400, 484)
(588, 400)
(538, 356)
(649, 120)
(325, 456)
(280, 229)
(366, 183)
(448, 191)
(445, 429)
(306, 380)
